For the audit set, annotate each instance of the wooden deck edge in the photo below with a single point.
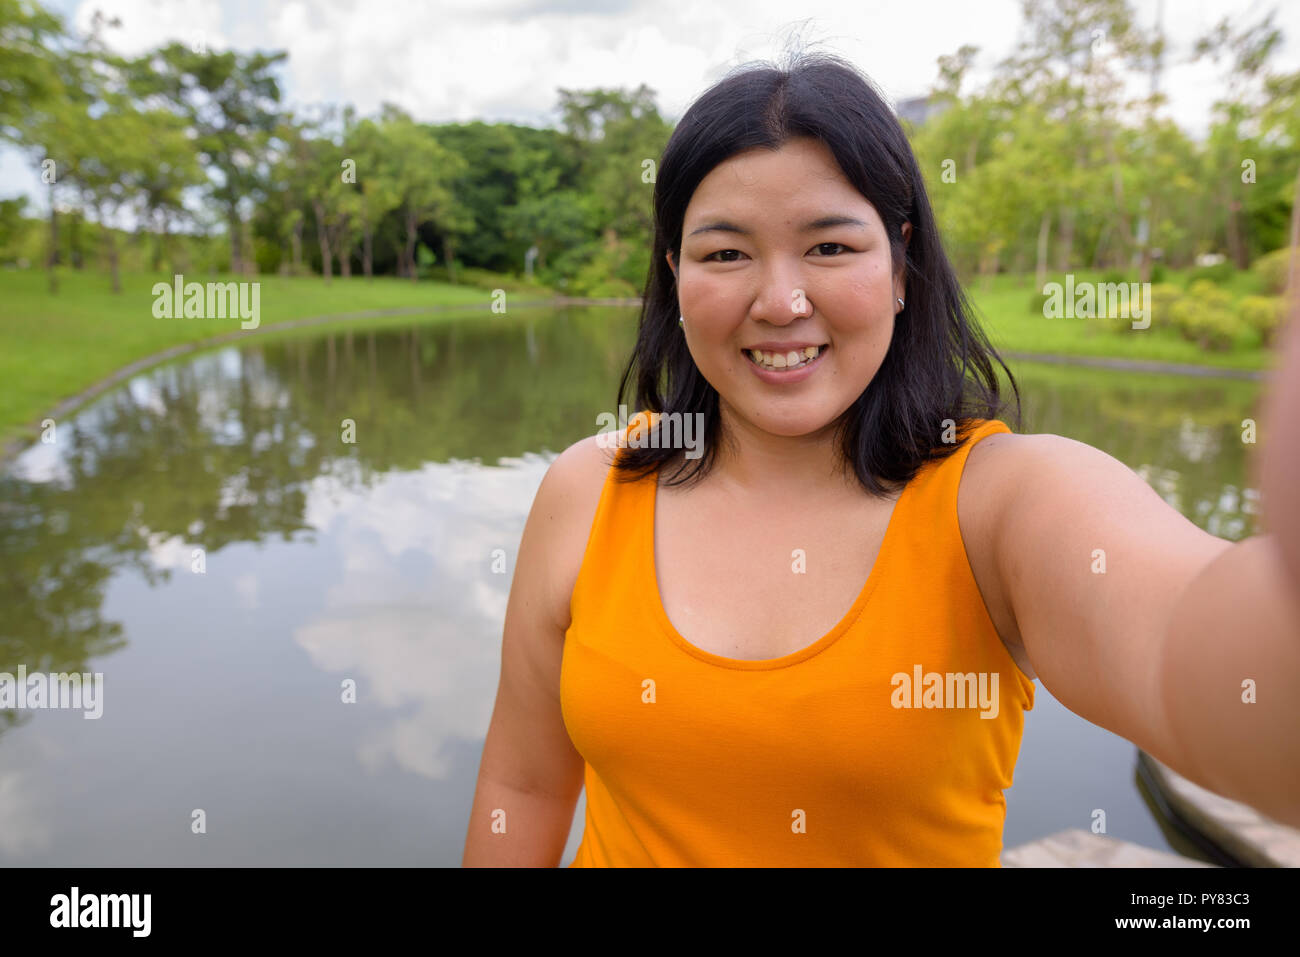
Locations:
(1079, 848)
(1238, 829)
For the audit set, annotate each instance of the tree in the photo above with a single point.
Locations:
(282, 214)
(61, 84)
(423, 171)
(378, 194)
(1068, 66)
(1255, 120)
(31, 39)
(230, 100)
(618, 136)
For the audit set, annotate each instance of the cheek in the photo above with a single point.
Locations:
(701, 294)
(862, 305)
(876, 280)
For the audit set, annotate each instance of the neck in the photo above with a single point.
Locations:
(754, 460)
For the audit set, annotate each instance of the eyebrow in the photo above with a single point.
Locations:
(824, 222)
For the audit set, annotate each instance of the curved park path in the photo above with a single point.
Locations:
(68, 405)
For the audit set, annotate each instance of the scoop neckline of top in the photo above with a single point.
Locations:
(883, 554)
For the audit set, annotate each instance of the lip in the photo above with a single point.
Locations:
(774, 377)
(783, 346)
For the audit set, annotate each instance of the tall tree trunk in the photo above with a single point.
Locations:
(1044, 236)
(450, 257)
(344, 247)
(53, 259)
(1146, 259)
(1098, 257)
(1117, 190)
(74, 240)
(1236, 248)
(158, 239)
(322, 236)
(988, 267)
(367, 251)
(249, 256)
(1065, 251)
(233, 227)
(109, 240)
(295, 243)
(410, 245)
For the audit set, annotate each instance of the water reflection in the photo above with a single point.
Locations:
(208, 537)
(1183, 435)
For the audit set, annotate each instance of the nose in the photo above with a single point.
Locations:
(782, 296)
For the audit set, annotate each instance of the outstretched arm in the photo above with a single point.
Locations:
(1185, 644)
(1240, 617)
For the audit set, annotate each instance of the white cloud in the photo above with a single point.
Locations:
(149, 23)
(503, 60)
(430, 647)
(23, 827)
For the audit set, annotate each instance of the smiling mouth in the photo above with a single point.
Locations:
(785, 361)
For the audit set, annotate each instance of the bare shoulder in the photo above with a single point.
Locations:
(999, 469)
(1035, 509)
(1003, 467)
(563, 511)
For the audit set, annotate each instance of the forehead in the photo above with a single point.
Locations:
(760, 182)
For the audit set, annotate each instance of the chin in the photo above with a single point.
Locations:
(792, 423)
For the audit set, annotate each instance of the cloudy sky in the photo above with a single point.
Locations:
(502, 60)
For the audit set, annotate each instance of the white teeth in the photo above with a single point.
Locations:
(786, 360)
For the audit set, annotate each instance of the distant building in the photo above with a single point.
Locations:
(917, 109)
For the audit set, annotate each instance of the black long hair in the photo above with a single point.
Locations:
(939, 364)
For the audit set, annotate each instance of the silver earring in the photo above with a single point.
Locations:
(681, 320)
(900, 304)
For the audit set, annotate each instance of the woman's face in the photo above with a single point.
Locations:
(758, 271)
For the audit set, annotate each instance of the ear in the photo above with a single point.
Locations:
(671, 265)
(900, 289)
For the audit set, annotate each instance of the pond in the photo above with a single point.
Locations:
(290, 562)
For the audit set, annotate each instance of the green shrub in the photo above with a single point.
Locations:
(1218, 274)
(1163, 297)
(1206, 316)
(599, 275)
(1112, 317)
(1208, 292)
(613, 288)
(1271, 268)
(1155, 308)
(1158, 272)
(1263, 314)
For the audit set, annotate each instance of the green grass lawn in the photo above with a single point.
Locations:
(1004, 306)
(52, 347)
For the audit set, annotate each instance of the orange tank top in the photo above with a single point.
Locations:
(887, 742)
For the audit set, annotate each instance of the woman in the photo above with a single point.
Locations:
(682, 635)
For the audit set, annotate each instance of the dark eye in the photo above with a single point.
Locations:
(823, 245)
(719, 253)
